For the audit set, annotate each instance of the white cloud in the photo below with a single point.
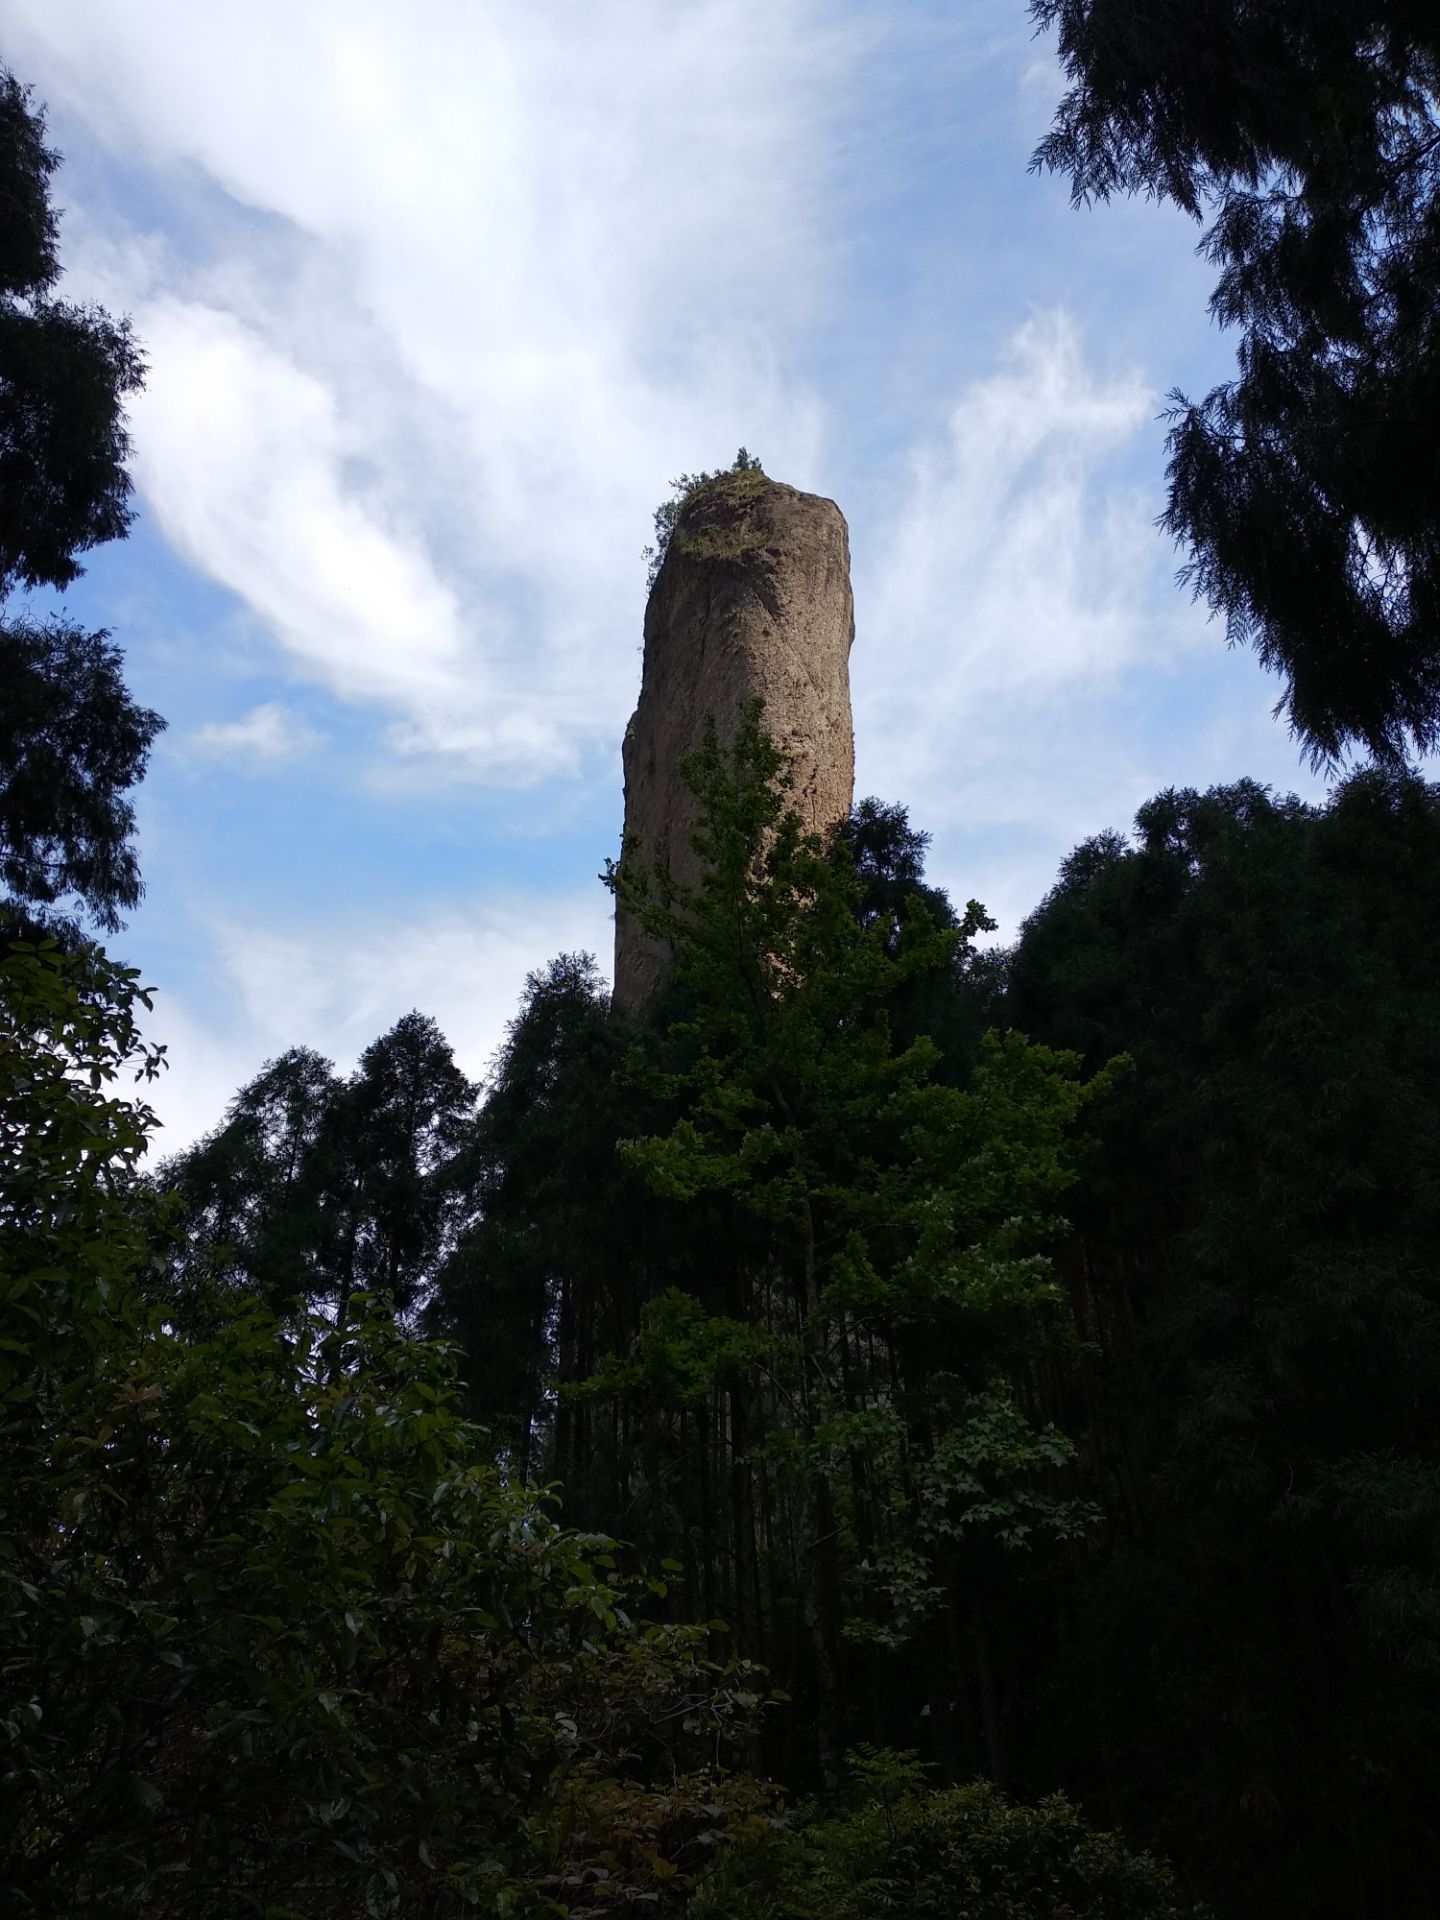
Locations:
(242, 457)
(1020, 574)
(202, 1072)
(522, 264)
(1044, 76)
(337, 987)
(267, 735)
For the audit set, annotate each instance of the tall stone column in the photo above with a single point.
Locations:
(753, 600)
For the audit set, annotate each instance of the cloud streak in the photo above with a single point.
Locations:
(1019, 576)
(266, 736)
(514, 268)
(337, 987)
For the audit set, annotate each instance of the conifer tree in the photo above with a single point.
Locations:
(315, 1189)
(253, 1190)
(1251, 1676)
(1306, 133)
(72, 740)
(546, 1243)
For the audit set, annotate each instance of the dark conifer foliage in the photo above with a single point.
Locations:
(72, 741)
(748, 1278)
(953, 1006)
(1250, 1669)
(1307, 133)
(315, 1189)
(72, 745)
(761, 1281)
(548, 1231)
(64, 373)
(395, 1132)
(254, 1191)
(799, 1373)
(28, 225)
(772, 1281)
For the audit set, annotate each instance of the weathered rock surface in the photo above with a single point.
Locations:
(753, 601)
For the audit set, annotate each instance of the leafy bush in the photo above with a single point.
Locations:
(275, 1637)
(965, 1853)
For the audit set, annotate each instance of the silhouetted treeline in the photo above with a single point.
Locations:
(1139, 1501)
(1247, 1659)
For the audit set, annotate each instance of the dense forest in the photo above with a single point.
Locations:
(1028, 1357)
(899, 1426)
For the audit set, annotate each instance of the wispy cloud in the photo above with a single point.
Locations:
(268, 735)
(242, 457)
(1020, 574)
(338, 986)
(516, 267)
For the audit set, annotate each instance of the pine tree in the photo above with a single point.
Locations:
(1307, 133)
(314, 1189)
(397, 1128)
(254, 1190)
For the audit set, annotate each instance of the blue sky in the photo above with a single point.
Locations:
(437, 300)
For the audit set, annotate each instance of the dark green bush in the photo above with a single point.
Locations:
(277, 1641)
(965, 1853)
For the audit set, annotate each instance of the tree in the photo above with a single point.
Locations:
(274, 1641)
(316, 1189)
(953, 1006)
(72, 741)
(746, 476)
(1251, 1673)
(549, 1222)
(253, 1192)
(879, 1250)
(64, 373)
(394, 1133)
(1307, 132)
(72, 745)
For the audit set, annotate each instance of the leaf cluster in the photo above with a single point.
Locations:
(927, 1855)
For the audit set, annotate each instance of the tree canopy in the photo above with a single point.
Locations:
(315, 1189)
(277, 1638)
(1077, 1442)
(282, 1638)
(1254, 1270)
(65, 370)
(1307, 134)
(72, 741)
(992, 1392)
(875, 1284)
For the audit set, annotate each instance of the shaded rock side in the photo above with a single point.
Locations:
(753, 601)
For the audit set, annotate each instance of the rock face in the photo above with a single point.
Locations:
(753, 600)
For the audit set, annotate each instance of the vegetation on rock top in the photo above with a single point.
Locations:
(727, 487)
